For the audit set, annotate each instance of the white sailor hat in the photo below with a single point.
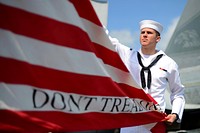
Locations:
(151, 24)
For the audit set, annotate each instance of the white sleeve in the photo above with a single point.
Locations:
(177, 92)
(122, 50)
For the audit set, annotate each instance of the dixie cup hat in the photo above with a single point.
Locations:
(151, 24)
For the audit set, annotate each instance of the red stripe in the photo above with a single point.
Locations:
(87, 12)
(160, 127)
(110, 57)
(59, 121)
(18, 72)
(58, 33)
(43, 28)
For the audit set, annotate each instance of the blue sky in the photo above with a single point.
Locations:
(124, 16)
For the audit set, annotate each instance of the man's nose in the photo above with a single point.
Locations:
(145, 34)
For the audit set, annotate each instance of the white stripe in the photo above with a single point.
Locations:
(65, 12)
(98, 35)
(57, 57)
(21, 97)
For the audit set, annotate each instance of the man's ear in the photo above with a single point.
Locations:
(158, 39)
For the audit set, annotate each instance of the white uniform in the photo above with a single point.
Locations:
(164, 72)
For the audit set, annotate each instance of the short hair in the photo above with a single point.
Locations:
(157, 33)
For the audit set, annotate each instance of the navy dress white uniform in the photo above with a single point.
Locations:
(164, 72)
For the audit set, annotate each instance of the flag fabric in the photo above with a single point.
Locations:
(60, 72)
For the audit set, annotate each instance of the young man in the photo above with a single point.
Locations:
(153, 70)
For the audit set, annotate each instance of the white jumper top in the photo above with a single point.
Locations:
(164, 72)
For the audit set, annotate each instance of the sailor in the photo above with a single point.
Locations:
(154, 71)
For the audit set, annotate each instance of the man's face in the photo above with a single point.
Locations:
(148, 37)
